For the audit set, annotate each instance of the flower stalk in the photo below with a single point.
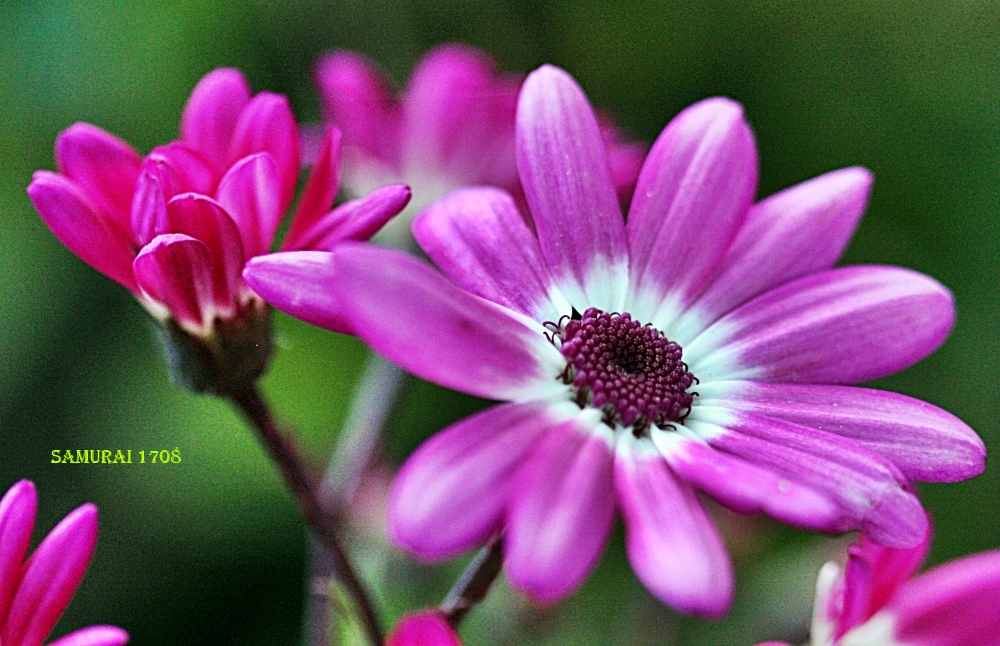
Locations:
(374, 397)
(303, 488)
(475, 582)
(373, 401)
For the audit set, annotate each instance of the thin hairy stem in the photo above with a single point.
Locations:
(304, 490)
(475, 582)
(374, 398)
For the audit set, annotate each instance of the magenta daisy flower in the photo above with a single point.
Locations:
(703, 344)
(34, 592)
(176, 227)
(875, 602)
(453, 126)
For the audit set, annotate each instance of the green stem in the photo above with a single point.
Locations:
(302, 487)
(374, 398)
(475, 582)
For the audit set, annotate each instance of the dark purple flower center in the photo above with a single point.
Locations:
(632, 372)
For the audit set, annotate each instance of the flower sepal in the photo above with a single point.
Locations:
(229, 358)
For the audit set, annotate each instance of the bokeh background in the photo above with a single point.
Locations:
(211, 550)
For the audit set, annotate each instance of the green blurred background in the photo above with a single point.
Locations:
(211, 550)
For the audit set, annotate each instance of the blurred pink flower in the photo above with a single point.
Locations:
(453, 126)
(34, 593)
(874, 602)
(703, 343)
(425, 628)
(176, 227)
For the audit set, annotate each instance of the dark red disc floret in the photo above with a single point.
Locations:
(632, 372)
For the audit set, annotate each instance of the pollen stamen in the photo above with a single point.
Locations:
(630, 371)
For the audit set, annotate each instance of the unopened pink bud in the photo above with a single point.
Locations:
(425, 628)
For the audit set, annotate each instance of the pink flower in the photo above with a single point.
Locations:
(453, 126)
(702, 344)
(34, 593)
(176, 227)
(425, 628)
(874, 602)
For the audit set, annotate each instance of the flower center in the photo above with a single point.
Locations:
(630, 371)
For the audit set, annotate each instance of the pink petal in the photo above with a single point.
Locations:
(267, 125)
(925, 442)
(839, 326)
(182, 170)
(491, 153)
(17, 518)
(955, 604)
(872, 576)
(203, 219)
(625, 160)
(425, 628)
(149, 204)
(745, 487)
(321, 189)
(793, 233)
(295, 282)
(310, 141)
(102, 165)
(94, 636)
(356, 98)
(455, 112)
(422, 322)
(51, 577)
(176, 271)
(249, 193)
(450, 495)
(356, 220)
(210, 116)
(560, 510)
(77, 224)
(870, 492)
(567, 182)
(691, 197)
(673, 546)
(477, 237)
(167, 172)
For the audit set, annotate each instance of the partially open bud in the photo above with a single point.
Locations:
(875, 599)
(176, 227)
(424, 628)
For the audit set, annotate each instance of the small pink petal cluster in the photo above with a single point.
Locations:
(874, 602)
(705, 342)
(176, 227)
(34, 593)
(453, 126)
(425, 628)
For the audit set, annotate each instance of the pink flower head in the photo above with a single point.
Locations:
(453, 126)
(176, 227)
(34, 593)
(426, 628)
(705, 343)
(874, 602)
